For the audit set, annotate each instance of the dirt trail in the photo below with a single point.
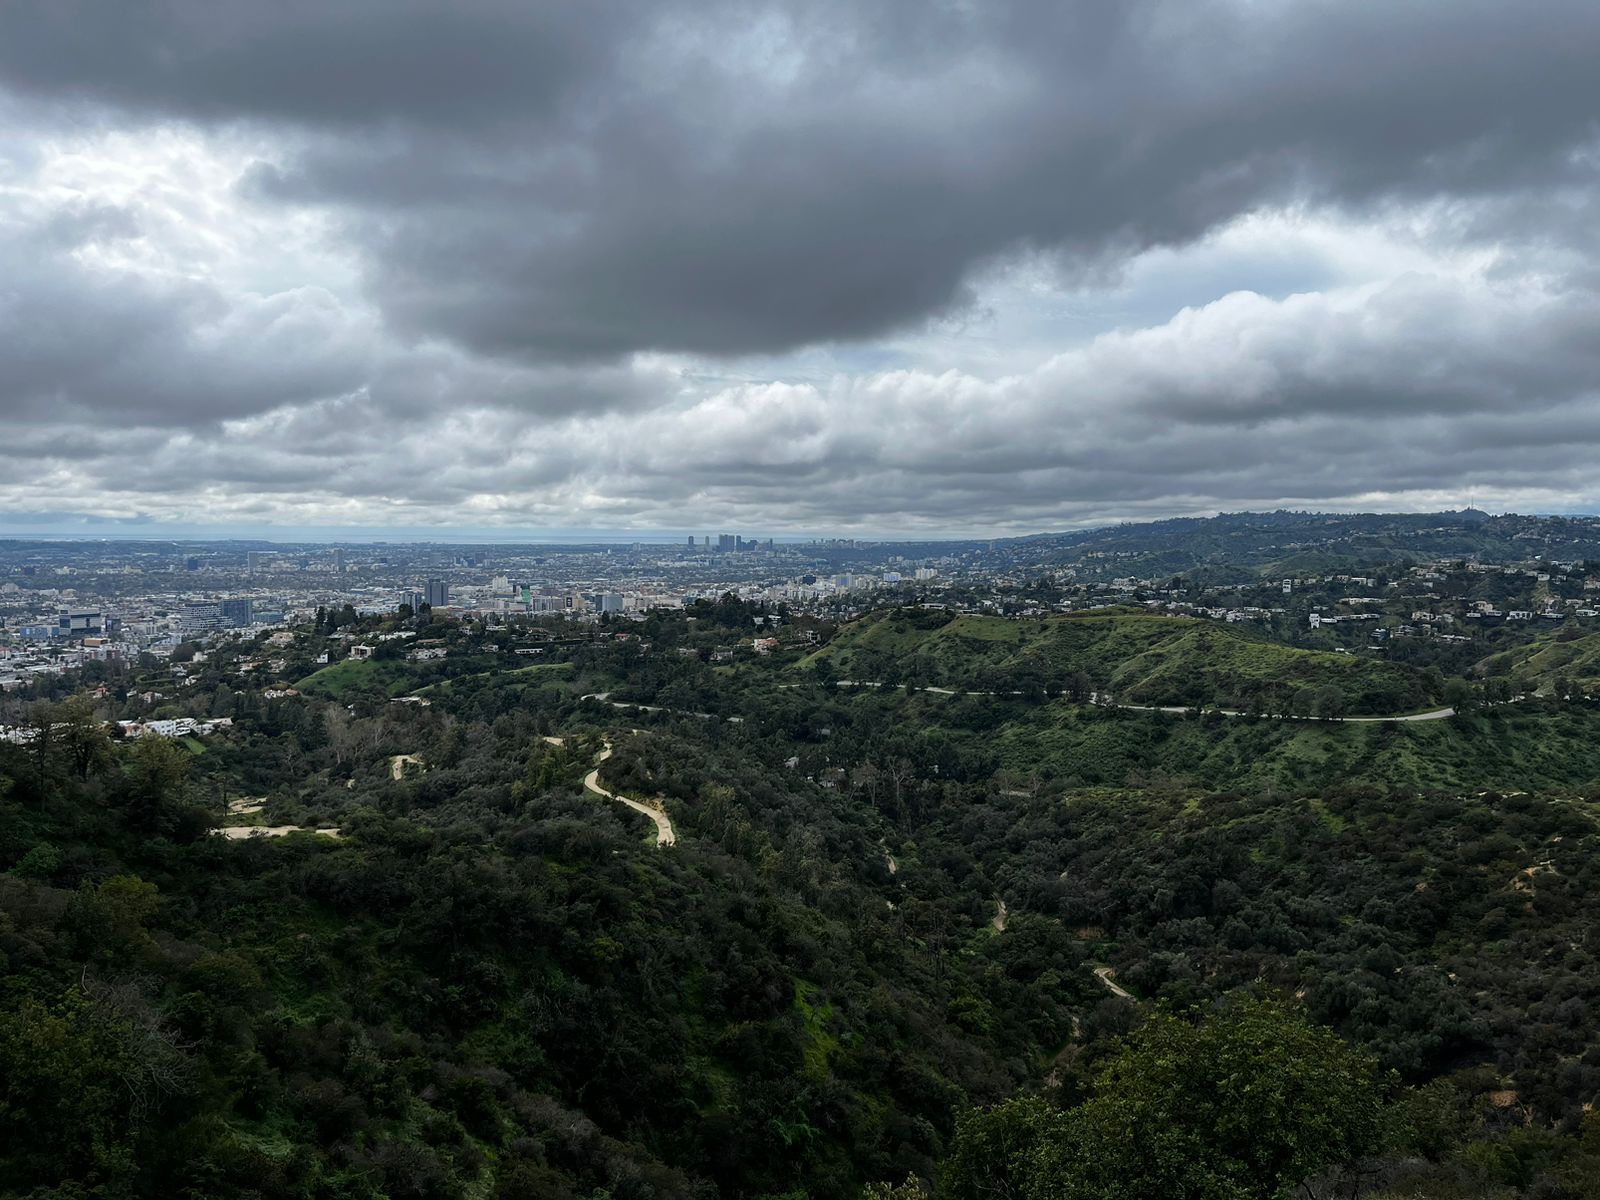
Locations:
(397, 764)
(1104, 975)
(664, 833)
(239, 833)
(1001, 914)
(605, 698)
(1437, 714)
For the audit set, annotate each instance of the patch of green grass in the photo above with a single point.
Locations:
(1539, 663)
(551, 673)
(821, 1045)
(339, 679)
(193, 745)
(1332, 820)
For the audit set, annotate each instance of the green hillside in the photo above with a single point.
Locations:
(393, 677)
(1558, 663)
(1137, 657)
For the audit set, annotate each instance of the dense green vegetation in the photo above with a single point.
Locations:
(886, 947)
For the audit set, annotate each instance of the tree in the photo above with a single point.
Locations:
(992, 1155)
(156, 778)
(1241, 1105)
(1328, 704)
(1460, 695)
(911, 1189)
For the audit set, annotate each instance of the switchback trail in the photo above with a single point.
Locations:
(664, 832)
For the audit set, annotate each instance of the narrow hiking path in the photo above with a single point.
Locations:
(665, 836)
(398, 764)
(239, 833)
(1104, 975)
(1436, 714)
(251, 806)
(605, 698)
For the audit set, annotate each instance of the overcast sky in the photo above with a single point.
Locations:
(896, 267)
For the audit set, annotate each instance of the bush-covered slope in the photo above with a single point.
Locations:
(885, 908)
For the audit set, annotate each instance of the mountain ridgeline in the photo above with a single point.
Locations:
(1237, 546)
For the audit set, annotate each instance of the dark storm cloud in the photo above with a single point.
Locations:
(533, 195)
(349, 63)
(579, 181)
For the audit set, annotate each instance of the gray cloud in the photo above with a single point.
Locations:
(77, 343)
(497, 264)
(585, 181)
(1095, 430)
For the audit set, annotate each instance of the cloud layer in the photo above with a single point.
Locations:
(910, 267)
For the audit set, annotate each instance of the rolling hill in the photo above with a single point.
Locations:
(1544, 664)
(1137, 658)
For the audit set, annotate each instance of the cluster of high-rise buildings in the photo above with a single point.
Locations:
(435, 594)
(733, 543)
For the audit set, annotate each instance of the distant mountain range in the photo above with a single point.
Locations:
(1245, 544)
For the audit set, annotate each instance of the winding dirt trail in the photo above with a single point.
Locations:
(1104, 975)
(239, 833)
(664, 832)
(1437, 714)
(625, 705)
(397, 764)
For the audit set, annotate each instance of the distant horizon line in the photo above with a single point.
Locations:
(327, 535)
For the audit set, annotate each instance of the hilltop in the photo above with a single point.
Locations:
(1136, 657)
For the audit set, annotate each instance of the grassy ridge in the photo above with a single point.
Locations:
(337, 679)
(1140, 658)
(1539, 664)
